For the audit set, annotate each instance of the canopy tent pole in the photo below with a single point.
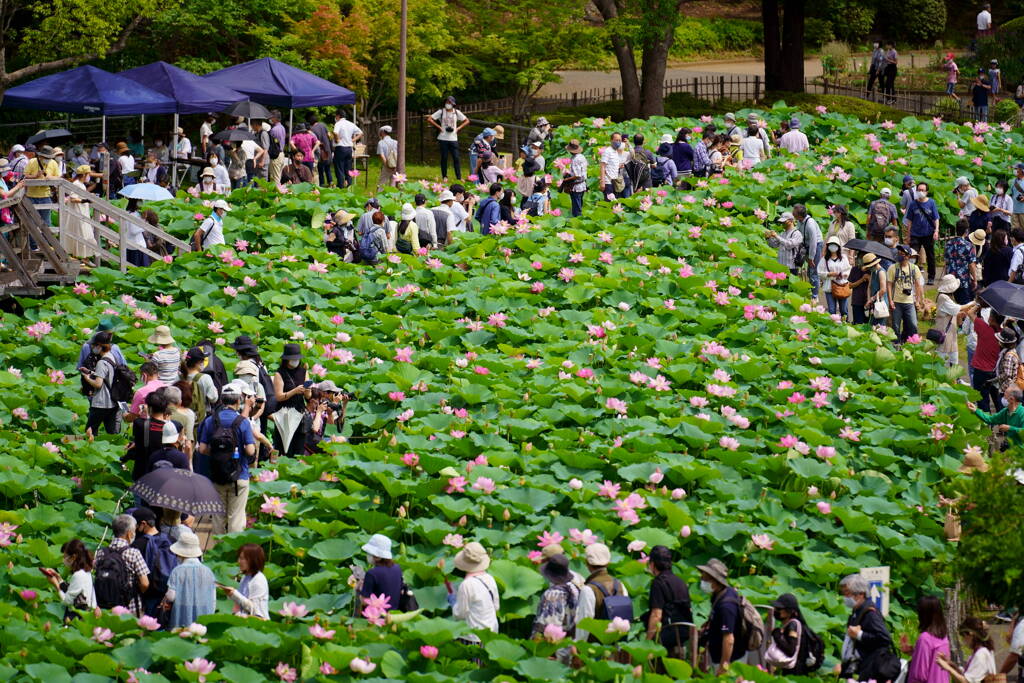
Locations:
(291, 113)
(103, 133)
(174, 153)
(142, 129)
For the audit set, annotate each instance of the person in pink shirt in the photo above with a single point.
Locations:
(307, 142)
(150, 383)
(952, 74)
(932, 641)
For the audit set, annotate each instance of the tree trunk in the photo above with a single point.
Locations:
(627, 61)
(792, 67)
(652, 90)
(772, 46)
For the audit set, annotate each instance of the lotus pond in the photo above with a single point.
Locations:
(642, 375)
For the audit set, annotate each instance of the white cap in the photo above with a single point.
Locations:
(240, 387)
(666, 138)
(386, 129)
(221, 204)
(962, 180)
(18, 148)
(170, 433)
(786, 216)
(446, 196)
(885, 192)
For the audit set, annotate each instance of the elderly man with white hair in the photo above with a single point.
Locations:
(965, 192)
(121, 574)
(867, 639)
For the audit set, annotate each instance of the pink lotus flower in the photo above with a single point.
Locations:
(456, 484)
(376, 609)
(617, 405)
(586, 537)
(405, 415)
(825, 452)
(56, 376)
(293, 610)
(103, 636)
(888, 125)
(119, 611)
(729, 443)
(617, 625)
(656, 476)
(404, 354)
(148, 623)
(318, 631)
(685, 531)
(327, 670)
(272, 505)
(361, 666)
(481, 370)
(20, 413)
(608, 489)
(411, 460)
(286, 673)
(428, 651)
(762, 541)
(788, 441)
(824, 508)
(454, 540)
(484, 484)
(396, 395)
(928, 409)
(849, 434)
(215, 327)
(203, 667)
(39, 330)
(554, 633)
(566, 274)
(549, 538)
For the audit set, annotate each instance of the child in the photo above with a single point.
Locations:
(953, 73)
(539, 203)
(489, 173)
(994, 79)
(167, 356)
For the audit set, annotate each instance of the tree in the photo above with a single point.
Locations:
(783, 58)
(37, 36)
(647, 25)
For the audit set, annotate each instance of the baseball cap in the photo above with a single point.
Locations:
(885, 192)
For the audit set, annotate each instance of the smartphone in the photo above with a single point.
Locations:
(308, 383)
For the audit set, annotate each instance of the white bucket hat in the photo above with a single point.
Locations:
(446, 196)
(187, 545)
(379, 545)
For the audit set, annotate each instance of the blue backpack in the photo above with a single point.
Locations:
(658, 173)
(161, 561)
(368, 252)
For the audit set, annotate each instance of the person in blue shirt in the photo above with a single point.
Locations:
(191, 587)
(384, 577)
(106, 325)
(489, 213)
(234, 494)
(923, 218)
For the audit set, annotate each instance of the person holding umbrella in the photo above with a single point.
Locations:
(877, 304)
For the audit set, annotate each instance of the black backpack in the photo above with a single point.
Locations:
(215, 368)
(639, 169)
(161, 561)
(268, 388)
(658, 173)
(814, 654)
(274, 148)
(122, 384)
(225, 460)
(91, 361)
(113, 583)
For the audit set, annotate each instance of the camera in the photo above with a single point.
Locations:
(336, 407)
(449, 129)
(907, 292)
(260, 401)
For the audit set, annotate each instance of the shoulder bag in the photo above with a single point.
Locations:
(841, 291)
(779, 659)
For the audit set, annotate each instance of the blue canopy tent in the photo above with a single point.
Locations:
(193, 94)
(275, 83)
(89, 90)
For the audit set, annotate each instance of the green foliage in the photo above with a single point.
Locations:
(1008, 48)
(849, 20)
(835, 58)
(817, 31)
(919, 21)
(707, 36)
(1005, 110)
(992, 541)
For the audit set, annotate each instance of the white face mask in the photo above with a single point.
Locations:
(705, 586)
(448, 107)
(369, 559)
(920, 196)
(293, 363)
(890, 241)
(999, 190)
(849, 601)
(833, 248)
(214, 161)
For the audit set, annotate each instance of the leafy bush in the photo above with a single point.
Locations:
(991, 543)
(1005, 110)
(817, 31)
(918, 21)
(850, 20)
(835, 58)
(1007, 47)
(701, 36)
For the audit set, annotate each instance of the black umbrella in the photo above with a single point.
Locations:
(49, 136)
(871, 247)
(249, 110)
(180, 490)
(233, 135)
(1005, 298)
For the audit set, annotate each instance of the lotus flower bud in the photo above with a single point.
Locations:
(401, 511)
(462, 521)
(505, 515)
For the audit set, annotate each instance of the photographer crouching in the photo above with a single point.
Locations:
(326, 406)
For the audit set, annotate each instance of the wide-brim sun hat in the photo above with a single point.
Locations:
(977, 237)
(556, 569)
(1006, 336)
(379, 545)
(981, 202)
(574, 147)
(187, 545)
(948, 284)
(341, 216)
(46, 152)
(446, 196)
(666, 138)
(244, 342)
(328, 386)
(499, 132)
(717, 570)
(870, 261)
(208, 173)
(161, 335)
(973, 462)
(472, 558)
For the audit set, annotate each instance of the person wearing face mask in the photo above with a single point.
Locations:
(1001, 207)
(488, 213)
(965, 192)
(155, 172)
(787, 649)
(859, 278)
(725, 619)
(841, 227)
(923, 218)
(962, 262)
(207, 181)
(449, 121)
(77, 593)
(1008, 422)
(159, 151)
(612, 185)
(866, 634)
(813, 244)
(204, 392)
(221, 178)
(109, 591)
(906, 292)
(877, 66)
(788, 243)
(682, 153)
(834, 271)
(292, 390)
(669, 604)
(881, 215)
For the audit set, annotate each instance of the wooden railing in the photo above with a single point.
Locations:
(111, 244)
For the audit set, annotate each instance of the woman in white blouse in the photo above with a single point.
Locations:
(834, 269)
(981, 663)
(77, 593)
(252, 597)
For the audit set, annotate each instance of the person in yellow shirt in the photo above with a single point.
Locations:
(42, 165)
(906, 291)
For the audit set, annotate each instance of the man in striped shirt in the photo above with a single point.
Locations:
(577, 177)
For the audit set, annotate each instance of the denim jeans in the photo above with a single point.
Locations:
(43, 213)
(450, 149)
(834, 304)
(812, 272)
(904, 320)
(577, 202)
(342, 165)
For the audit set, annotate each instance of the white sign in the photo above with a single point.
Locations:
(878, 587)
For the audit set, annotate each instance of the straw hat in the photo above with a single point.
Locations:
(499, 132)
(573, 147)
(161, 335)
(973, 462)
(981, 202)
(208, 173)
(379, 545)
(549, 551)
(717, 570)
(870, 261)
(187, 545)
(84, 169)
(948, 284)
(472, 558)
(978, 237)
(343, 217)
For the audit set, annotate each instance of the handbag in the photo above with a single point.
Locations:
(618, 184)
(841, 291)
(939, 338)
(884, 664)
(779, 659)
(403, 245)
(407, 600)
(880, 309)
